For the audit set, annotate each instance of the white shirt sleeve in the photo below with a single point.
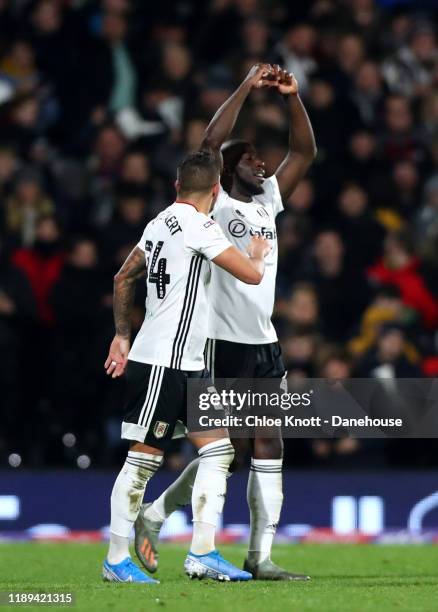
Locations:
(204, 236)
(271, 195)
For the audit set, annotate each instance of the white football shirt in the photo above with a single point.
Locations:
(239, 312)
(178, 244)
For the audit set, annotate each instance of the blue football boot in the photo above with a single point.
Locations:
(213, 566)
(125, 571)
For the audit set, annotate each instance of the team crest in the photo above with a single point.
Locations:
(160, 429)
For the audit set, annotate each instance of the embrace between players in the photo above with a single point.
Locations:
(223, 309)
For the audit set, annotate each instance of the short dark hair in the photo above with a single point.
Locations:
(199, 171)
(232, 152)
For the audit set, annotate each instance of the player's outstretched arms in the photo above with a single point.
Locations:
(302, 147)
(249, 270)
(124, 291)
(221, 126)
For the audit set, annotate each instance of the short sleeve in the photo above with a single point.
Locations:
(142, 243)
(271, 195)
(203, 235)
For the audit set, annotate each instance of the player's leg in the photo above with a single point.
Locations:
(264, 496)
(265, 484)
(152, 515)
(208, 495)
(143, 460)
(222, 359)
(177, 495)
(209, 486)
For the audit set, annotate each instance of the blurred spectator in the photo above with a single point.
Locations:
(17, 313)
(345, 452)
(368, 92)
(42, 264)
(334, 279)
(361, 233)
(298, 350)
(125, 229)
(18, 67)
(427, 215)
(8, 167)
(25, 206)
(388, 358)
(296, 53)
(401, 268)
(400, 141)
(301, 310)
(411, 70)
(293, 233)
(81, 319)
(387, 307)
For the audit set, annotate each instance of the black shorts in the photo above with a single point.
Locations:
(233, 360)
(156, 403)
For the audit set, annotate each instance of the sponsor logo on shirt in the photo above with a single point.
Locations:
(264, 232)
(238, 229)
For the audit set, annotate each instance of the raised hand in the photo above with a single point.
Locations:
(285, 81)
(261, 75)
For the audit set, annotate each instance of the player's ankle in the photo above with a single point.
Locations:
(256, 556)
(153, 515)
(202, 554)
(116, 559)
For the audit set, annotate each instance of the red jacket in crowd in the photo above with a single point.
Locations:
(412, 287)
(42, 273)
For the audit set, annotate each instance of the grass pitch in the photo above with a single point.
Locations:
(344, 577)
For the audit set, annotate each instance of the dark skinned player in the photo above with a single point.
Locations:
(242, 340)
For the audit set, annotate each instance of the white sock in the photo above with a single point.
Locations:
(208, 493)
(126, 499)
(177, 495)
(265, 498)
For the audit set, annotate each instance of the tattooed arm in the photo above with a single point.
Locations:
(124, 291)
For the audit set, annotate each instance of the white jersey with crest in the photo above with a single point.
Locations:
(178, 245)
(239, 312)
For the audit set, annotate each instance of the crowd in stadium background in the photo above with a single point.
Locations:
(98, 103)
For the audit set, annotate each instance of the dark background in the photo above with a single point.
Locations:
(98, 103)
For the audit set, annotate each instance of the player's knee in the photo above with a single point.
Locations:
(220, 453)
(268, 448)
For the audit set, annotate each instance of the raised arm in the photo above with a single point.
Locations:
(124, 292)
(221, 126)
(249, 270)
(302, 147)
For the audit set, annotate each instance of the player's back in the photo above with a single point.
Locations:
(178, 244)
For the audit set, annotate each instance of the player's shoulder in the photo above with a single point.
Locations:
(271, 196)
(222, 200)
(200, 221)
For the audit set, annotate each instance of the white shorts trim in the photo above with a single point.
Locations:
(132, 431)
